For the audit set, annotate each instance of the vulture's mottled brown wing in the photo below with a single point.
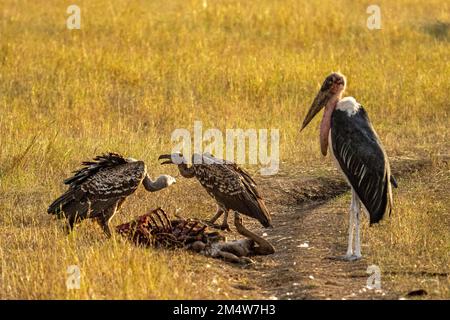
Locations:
(90, 168)
(248, 181)
(233, 188)
(99, 185)
(232, 172)
(114, 182)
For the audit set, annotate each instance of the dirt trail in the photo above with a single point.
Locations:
(308, 232)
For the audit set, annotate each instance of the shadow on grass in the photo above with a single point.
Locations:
(439, 30)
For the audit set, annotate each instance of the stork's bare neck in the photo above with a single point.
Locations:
(325, 125)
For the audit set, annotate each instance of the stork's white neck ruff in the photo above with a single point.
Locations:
(349, 105)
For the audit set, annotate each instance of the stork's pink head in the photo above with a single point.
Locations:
(332, 89)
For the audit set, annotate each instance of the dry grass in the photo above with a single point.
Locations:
(136, 71)
(412, 248)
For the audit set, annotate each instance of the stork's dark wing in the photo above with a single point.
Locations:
(363, 160)
(233, 187)
(98, 188)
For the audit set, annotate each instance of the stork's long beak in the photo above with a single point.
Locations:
(319, 102)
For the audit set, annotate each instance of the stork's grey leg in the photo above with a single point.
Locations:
(351, 224)
(352, 220)
(357, 222)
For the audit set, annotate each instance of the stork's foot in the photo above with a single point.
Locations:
(352, 257)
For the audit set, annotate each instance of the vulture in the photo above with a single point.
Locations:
(99, 188)
(229, 185)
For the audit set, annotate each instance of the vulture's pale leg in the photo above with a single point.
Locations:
(105, 218)
(104, 224)
(69, 225)
(219, 212)
(217, 215)
(263, 248)
(225, 225)
(71, 221)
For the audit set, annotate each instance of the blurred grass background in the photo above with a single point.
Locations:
(138, 70)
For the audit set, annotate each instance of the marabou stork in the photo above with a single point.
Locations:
(232, 188)
(357, 152)
(98, 190)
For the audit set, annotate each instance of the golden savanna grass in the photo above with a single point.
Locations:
(138, 70)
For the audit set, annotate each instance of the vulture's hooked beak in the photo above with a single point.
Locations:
(174, 158)
(166, 156)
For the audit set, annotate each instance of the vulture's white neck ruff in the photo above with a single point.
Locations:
(349, 105)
